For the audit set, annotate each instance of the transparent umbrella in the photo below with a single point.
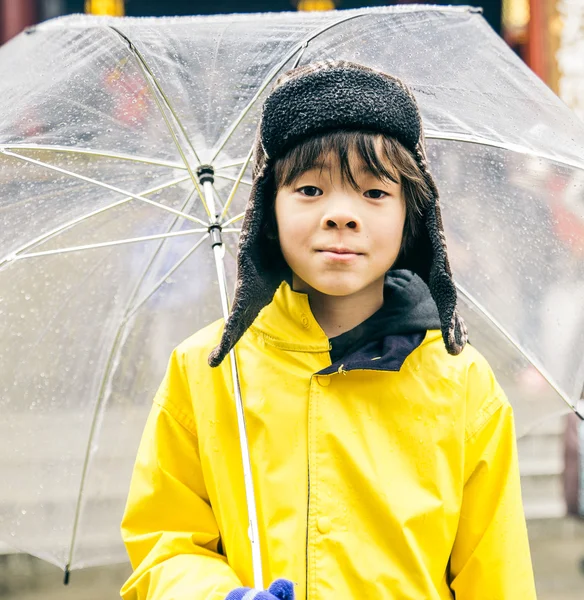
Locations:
(125, 149)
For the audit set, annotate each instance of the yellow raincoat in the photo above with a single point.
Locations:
(378, 484)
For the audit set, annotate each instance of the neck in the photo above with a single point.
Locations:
(338, 314)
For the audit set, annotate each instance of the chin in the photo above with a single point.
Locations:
(338, 287)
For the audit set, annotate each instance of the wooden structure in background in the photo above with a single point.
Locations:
(533, 28)
(545, 27)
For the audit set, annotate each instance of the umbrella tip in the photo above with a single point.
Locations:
(579, 414)
(67, 573)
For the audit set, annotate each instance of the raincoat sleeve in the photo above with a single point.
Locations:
(491, 557)
(168, 527)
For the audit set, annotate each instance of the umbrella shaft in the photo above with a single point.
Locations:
(210, 198)
(253, 532)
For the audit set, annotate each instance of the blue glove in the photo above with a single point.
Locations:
(281, 589)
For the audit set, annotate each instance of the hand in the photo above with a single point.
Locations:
(281, 589)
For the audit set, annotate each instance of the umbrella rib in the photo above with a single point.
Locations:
(145, 238)
(175, 138)
(499, 327)
(300, 55)
(146, 67)
(155, 87)
(110, 361)
(300, 47)
(161, 281)
(237, 163)
(186, 206)
(481, 141)
(236, 184)
(105, 185)
(233, 219)
(69, 224)
(140, 280)
(229, 178)
(103, 153)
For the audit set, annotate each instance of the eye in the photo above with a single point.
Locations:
(310, 190)
(377, 194)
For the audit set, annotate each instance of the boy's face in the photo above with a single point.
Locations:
(336, 240)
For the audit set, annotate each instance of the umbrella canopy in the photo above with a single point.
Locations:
(105, 256)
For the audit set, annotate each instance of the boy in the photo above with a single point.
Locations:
(383, 449)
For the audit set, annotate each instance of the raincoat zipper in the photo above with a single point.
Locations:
(308, 498)
(307, 529)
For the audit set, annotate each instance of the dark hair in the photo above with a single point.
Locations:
(392, 161)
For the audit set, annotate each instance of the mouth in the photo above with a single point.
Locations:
(339, 254)
(339, 250)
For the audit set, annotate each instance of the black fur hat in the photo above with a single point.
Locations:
(311, 100)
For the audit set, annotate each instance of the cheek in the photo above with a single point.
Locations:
(293, 227)
(387, 232)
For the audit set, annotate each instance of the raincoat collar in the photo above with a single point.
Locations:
(289, 324)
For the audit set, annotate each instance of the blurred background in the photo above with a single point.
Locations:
(544, 33)
(548, 35)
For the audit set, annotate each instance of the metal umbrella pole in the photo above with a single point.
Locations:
(205, 174)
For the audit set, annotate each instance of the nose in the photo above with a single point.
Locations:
(339, 215)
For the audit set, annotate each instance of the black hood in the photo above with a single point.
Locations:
(408, 308)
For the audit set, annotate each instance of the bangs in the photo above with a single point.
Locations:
(380, 159)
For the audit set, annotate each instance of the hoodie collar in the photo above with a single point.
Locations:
(408, 308)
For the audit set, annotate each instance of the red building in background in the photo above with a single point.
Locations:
(533, 28)
(16, 15)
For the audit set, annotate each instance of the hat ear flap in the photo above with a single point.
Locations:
(428, 257)
(256, 281)
(441, 282)
(416, 254)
